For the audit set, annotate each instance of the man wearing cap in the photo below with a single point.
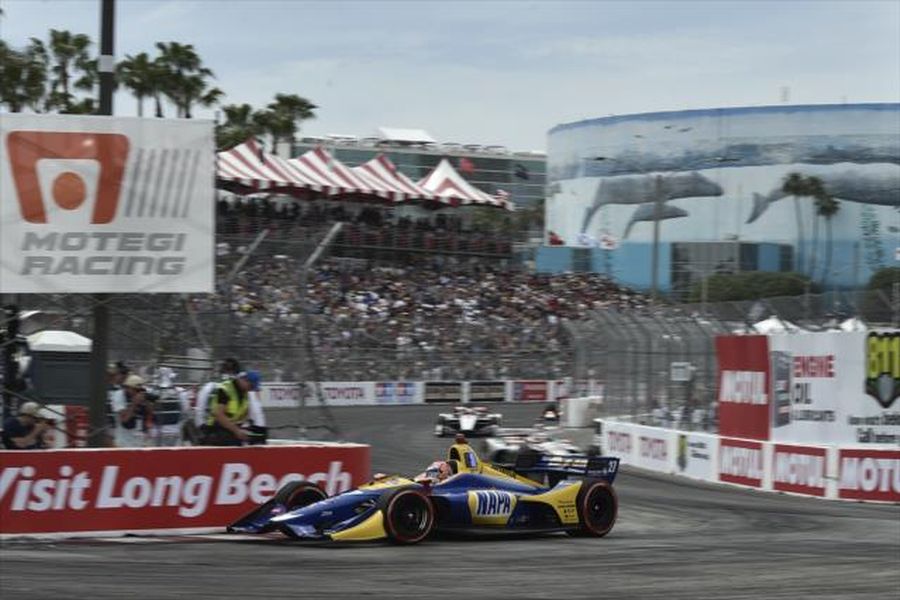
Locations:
(228, 411)
(132, 411)
(26, 430)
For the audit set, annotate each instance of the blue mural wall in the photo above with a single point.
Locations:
(718, 175)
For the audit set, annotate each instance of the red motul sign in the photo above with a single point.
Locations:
(799, 469)
(741, 461)
(51, 491)
(531, 391)
(869, 474)
(743, 386)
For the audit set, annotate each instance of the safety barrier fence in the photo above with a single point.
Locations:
(160, 490)
(851, 472)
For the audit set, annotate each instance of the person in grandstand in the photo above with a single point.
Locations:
(134, 413)
(28, 430)
(229, 408)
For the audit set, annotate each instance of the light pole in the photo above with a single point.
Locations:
(704, 286)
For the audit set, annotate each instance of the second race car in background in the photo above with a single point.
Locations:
(503, 447)
(469, 420)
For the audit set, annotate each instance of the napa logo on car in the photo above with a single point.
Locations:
(883, 367)
(491, 507)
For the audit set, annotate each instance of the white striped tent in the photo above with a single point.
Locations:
(391, 184)
(448, 186)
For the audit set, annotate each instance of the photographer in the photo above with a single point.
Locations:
(134, 413)
(229, 406)
(28, 430)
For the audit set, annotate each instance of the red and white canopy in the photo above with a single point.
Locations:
(384, 176)
(248, 165)
(447, 185)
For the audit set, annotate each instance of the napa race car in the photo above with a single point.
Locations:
(542, 493)
(468, 420)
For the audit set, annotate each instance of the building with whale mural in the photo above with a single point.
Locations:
(717, 175)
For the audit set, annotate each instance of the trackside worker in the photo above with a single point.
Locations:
(229, 407)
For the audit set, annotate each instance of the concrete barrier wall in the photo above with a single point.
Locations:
(870, 473)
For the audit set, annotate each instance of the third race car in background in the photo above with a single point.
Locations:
(469, 420)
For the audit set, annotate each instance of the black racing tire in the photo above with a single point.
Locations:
(292, 495)
(408, 515)
(505, 458)
(598, 508)
(297, 494)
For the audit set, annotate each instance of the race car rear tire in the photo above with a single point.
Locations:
(408, 515)
(598, 507)
(297, 494)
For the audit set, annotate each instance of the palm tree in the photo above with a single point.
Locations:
(796, 185)
(141, 76)
(70, 56)
(195, 90)
(827, 207)
(282, 117)
(185, 81)
(240, 124)
(23, 76)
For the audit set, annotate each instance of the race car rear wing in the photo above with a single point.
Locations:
(600, 467)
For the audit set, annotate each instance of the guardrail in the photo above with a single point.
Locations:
(852, 472)
(159, 490)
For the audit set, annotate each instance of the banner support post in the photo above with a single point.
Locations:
(100, 342)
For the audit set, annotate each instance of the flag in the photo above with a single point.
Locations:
(466, 165)
(521, 171)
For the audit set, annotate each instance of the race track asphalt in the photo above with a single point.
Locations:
(673, 539)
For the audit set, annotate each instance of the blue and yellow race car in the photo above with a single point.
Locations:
(540, 493)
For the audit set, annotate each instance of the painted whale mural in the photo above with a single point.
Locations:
(647, 212)
(638, 189)
(881, 189)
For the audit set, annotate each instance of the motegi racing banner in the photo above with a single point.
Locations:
(104, 204)
(57, 491)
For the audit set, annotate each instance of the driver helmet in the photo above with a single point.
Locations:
(439, 470)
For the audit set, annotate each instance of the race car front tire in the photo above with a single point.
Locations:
(598, 507)
(297, 494)
(408, 515)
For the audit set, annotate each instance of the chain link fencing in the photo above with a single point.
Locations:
(657, 365)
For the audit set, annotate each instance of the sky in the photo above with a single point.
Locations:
(504, 72)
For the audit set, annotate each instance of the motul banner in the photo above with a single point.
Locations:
(743, 386)
(741, 461)
(799, 469)
(531, 391)
(58, 491)
(869, 474)
(105, 204)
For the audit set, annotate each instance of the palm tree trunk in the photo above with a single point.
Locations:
(140, 102)
(829, 247)
(815, 248)
(159, 110)
(800, 249)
